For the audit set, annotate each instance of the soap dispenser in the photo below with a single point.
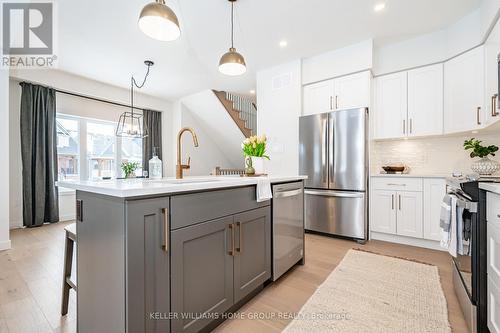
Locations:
(155, 165)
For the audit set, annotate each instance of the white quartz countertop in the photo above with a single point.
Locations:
(412, 175)
(492, 187)
(141, 187)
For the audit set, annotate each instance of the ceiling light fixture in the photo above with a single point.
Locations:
(232, 63)
(283, 43)
(130, 123)
(252, 92)
(159, 22)
(378, 7)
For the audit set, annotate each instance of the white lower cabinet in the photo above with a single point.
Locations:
(434, 192)
(409, 214)
(407, 207)
(397, 212)
(493, 307)
(383, 211)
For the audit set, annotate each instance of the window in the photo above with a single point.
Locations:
(101, 154)
(68, 148)
(132, 152)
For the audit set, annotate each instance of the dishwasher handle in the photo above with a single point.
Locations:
(286, 194)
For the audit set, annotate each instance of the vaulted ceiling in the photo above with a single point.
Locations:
(100, 39)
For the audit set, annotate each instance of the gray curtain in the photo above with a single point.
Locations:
(151, 121)
(39, 155)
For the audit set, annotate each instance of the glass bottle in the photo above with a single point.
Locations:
(155, 165)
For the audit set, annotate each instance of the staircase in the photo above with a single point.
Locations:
(243, 111)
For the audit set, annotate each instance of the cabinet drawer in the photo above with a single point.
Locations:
(493, 306)
(493, 208)
(397, 184)
(493, 253)
(190, 209)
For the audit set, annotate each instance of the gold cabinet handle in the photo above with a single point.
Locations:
(400, 202)
(336, 102)
(411, 125)
(404, 126)
(494, 111)
(240, 234)
(478, 111)
(392, 201)
(165, 228)
(231, 251)
(331, 102)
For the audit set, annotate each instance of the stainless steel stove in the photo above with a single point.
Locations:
(469, 268)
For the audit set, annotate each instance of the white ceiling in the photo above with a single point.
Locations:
(100, 39)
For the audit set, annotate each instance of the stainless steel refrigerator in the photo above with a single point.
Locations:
(334, 154)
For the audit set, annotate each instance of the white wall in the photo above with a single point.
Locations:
(279, 109)
(208, 154)
(74, 106)
(429, 48)
(350, 59)
(4, 167)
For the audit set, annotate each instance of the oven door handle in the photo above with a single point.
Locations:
(465, 203)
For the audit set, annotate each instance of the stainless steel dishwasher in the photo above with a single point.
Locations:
(288, 226)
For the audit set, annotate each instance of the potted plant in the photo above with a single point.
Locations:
(129, 168)
(484, 166)
(254, 150)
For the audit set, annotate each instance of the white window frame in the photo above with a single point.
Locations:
(83, 156)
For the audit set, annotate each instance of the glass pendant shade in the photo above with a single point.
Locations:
(159, 22)
(131, 125)
(232, 63)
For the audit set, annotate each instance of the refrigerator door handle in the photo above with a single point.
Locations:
(335, 194)
(324, 157)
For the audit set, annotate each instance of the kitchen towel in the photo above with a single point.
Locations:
(445, 217)
(264, 189)
(449, 237)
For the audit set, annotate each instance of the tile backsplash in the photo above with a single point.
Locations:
(428, 155)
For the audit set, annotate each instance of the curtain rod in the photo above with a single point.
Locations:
(97, 99)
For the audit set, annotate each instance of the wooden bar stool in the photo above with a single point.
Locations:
(68, 263)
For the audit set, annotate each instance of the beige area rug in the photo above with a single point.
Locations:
(374, 293)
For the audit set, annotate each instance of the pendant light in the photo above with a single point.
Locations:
(130, 123)
(159, 22)
(232, 63)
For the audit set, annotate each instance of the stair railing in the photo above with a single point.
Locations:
(247, 109)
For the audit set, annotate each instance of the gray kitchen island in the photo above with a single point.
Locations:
(169, 255)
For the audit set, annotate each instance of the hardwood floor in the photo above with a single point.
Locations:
(31, 280)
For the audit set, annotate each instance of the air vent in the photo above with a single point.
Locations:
(282, 81)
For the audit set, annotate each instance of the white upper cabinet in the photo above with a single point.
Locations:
(352, 91)
(390, 113)
(346, 92)
(492, 50)
(318, 97)
(464, 92)
(425, 101)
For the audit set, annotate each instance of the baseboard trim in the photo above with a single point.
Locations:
(425, 243)
(5, 245)
(68, 217)
(15, 225)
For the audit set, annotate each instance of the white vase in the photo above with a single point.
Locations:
(258, 164)
(485, 166)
